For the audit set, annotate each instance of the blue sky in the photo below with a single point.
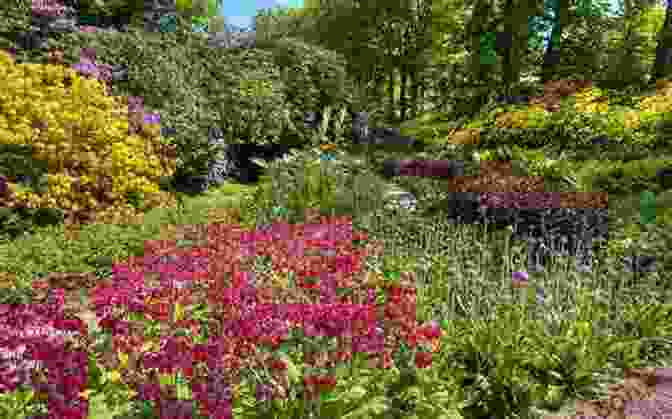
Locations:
(241, 12)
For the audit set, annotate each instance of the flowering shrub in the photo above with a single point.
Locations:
(93, 163)
(47, 8)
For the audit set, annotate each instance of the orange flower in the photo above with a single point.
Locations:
(328, 147)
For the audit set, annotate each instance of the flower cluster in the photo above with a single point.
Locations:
(136, 306)
(47, 8)
(66, 365)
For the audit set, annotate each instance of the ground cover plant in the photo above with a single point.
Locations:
(305, 296)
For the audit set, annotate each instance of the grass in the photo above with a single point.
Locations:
(463, 276)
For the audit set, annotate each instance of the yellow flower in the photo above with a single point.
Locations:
(114, 376)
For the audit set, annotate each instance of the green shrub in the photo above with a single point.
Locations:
(314, 77)
(192, 86)
(628, 177)
(16, 222)
(302, 181)
(16, 160)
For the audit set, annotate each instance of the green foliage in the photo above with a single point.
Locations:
(16, 160)
(281, 22)
(620, 177)
(110, 7)
(193, 87)
(217, 24)
(532, 138)
(314, 77)
(250, 115)
(646, 25)
(304, 181)
(16, 222)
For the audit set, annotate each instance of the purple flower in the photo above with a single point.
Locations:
(150, 391)
(152, 118)
(264, 392)
(135, 104)
(4, 187)
(85, 68)
(520, 279)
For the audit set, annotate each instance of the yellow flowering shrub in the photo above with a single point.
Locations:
(591, 100)
(534, 116)
(657, 104)
(82, 134)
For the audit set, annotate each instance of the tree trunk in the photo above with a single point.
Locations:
(507, 66)
(475, 30)
(552, 54)
(662, 67)
(417, 100)
(402, 93)
(391, 75)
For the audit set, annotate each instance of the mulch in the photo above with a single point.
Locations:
(645, 393)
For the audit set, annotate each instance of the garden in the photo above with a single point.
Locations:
(305, 295)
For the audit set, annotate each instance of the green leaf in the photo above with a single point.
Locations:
(95, 380)
(293, 372)
(375, 406)
(356, 393)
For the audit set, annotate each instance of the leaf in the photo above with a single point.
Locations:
(376, 406)
(292, 370)
(95, 374)
(356, 393)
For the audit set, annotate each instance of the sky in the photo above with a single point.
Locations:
(242, 12)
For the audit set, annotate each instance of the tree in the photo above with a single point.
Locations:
(283, 21)
(415, 55)
(662, 67)
(349, 28)
(626, 64)
(558, 11)
(515, 38)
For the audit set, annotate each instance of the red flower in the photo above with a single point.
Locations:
(278, 364)
(423, 359)
(431, 330)
(326, 382)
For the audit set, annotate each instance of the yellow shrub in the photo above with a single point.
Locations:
(80, 132)
(591, 100)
